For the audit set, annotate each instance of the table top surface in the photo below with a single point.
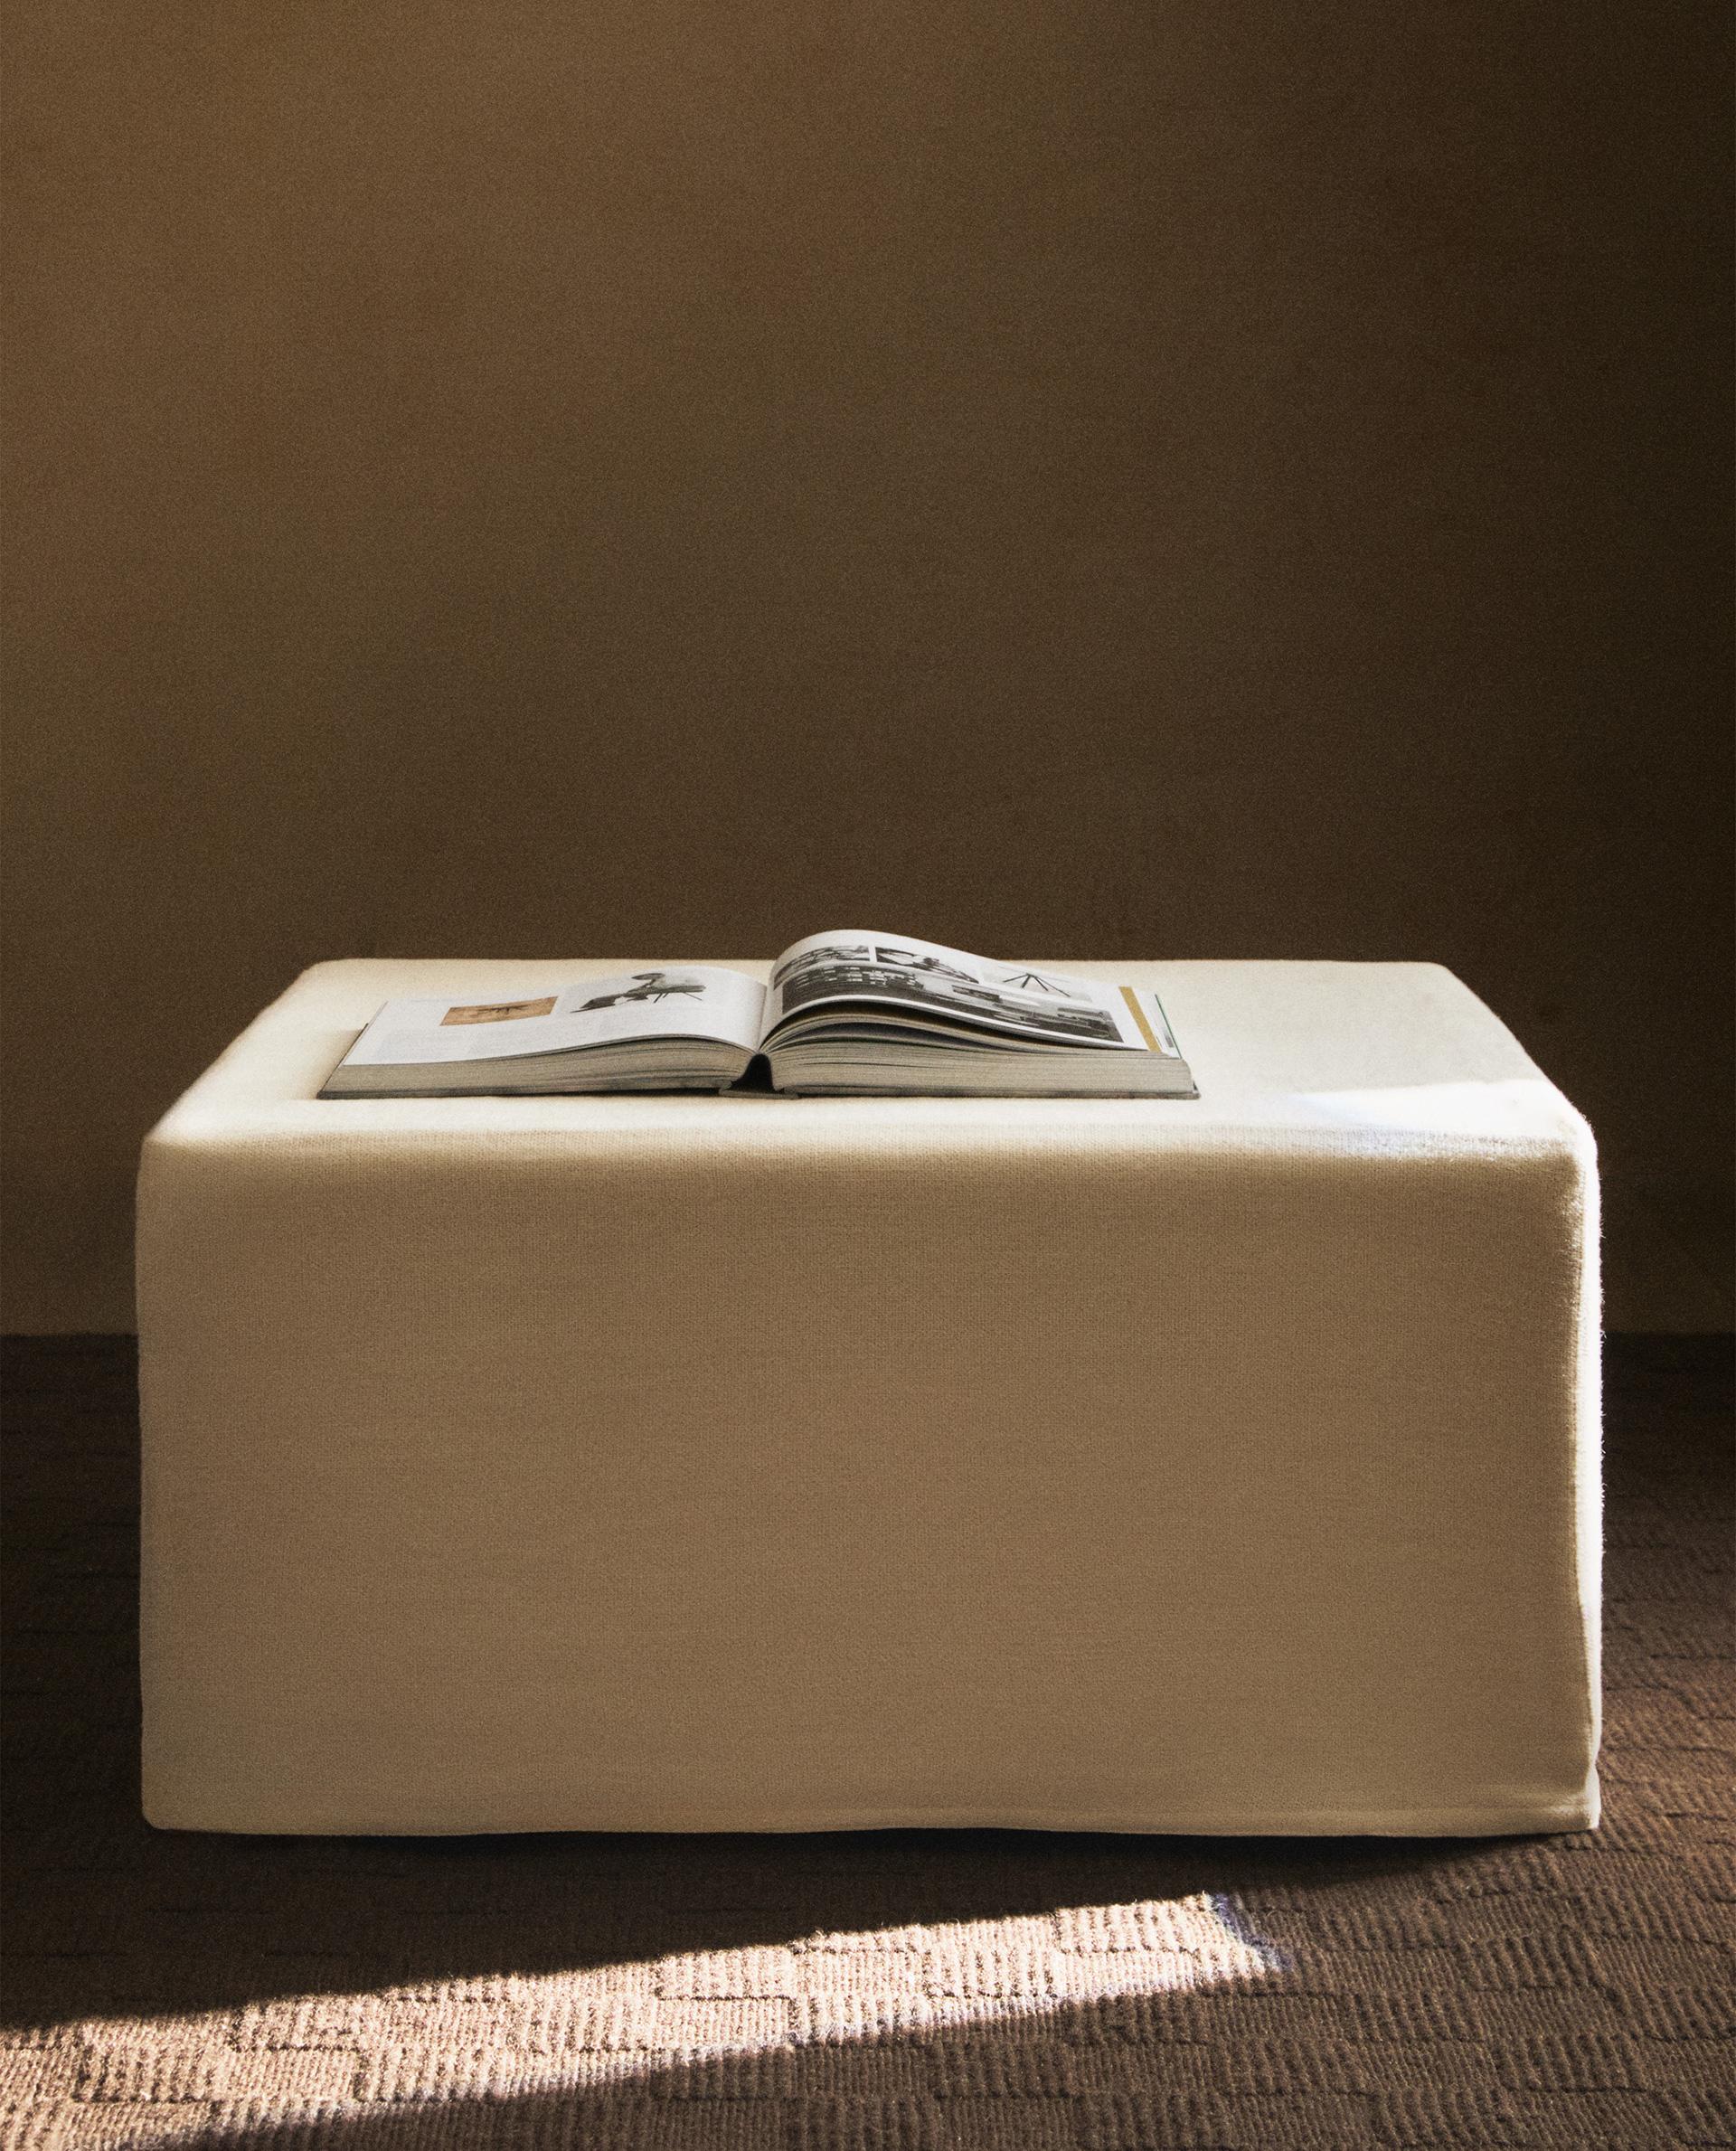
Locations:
(1321, 1055)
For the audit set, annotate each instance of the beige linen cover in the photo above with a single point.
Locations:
(690, 1463)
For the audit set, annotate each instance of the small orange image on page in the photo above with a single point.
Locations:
(498, 1012)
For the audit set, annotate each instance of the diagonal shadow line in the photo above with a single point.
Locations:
(194, 1924)
(1120, 2072)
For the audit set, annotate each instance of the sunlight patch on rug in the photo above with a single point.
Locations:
(334, 2058)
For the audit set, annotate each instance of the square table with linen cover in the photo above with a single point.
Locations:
(749, 1463)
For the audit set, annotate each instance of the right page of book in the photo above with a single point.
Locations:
(905, 977)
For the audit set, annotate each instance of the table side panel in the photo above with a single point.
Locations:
(523, 1484)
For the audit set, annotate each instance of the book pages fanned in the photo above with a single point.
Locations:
(851, 1011)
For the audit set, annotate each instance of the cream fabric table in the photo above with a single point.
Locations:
(689, 1463)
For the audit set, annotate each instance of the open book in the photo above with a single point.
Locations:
(848, 1013)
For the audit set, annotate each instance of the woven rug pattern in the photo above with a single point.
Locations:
(906, 1991)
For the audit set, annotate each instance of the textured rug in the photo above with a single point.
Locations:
(897, 1992)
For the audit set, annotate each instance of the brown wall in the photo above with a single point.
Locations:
(660, 476)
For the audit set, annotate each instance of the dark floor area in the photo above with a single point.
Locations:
(897, 1992)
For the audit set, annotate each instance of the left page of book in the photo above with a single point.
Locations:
(681, 1001)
